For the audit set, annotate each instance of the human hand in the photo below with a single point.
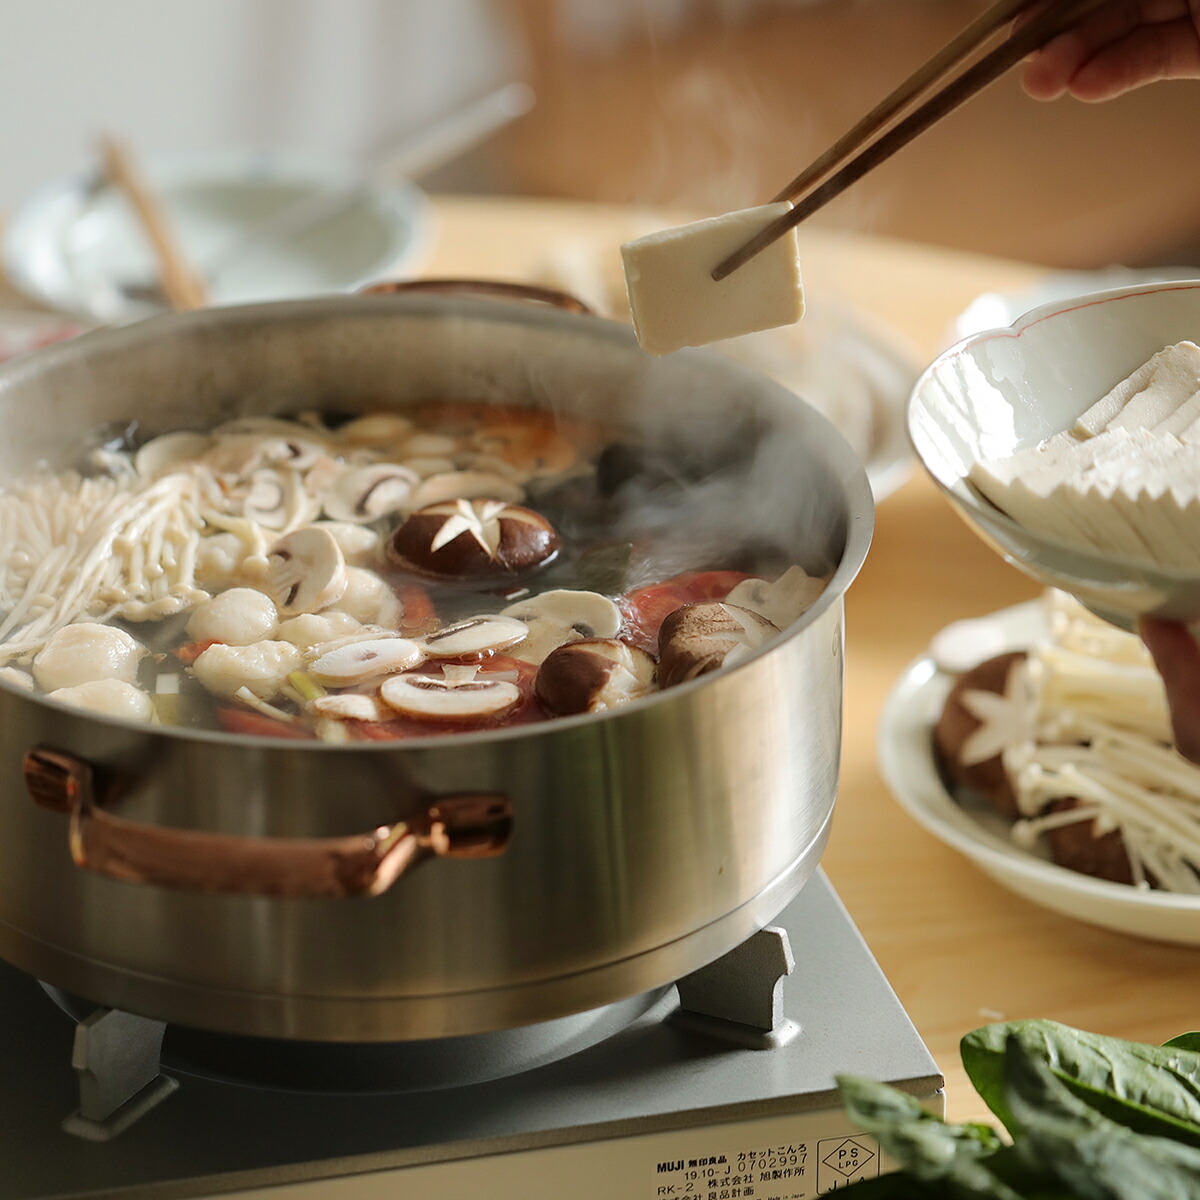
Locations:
(1118, 47)
(1176, 654)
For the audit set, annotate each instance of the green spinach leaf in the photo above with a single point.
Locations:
(1185, 1041)
(1098, 1159)
(1150, 1089)
(928, 1149)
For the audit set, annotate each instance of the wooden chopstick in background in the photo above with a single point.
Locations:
(974, 79)
(182, 286)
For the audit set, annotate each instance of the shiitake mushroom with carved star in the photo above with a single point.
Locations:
(474, 542)
(970, 758)
(982, 714)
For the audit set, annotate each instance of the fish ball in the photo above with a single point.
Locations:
(85, 652)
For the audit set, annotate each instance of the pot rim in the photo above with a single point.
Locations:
(848, 468)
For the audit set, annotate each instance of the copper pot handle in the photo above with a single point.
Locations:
(483, 287)
(471, 825)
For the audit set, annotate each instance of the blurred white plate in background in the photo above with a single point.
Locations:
(76, 246)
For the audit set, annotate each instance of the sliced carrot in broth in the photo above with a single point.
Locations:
(255, 724)
(190, 651)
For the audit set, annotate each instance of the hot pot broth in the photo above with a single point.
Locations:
(388, 574)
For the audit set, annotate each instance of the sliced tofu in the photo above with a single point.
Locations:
(1185, 417)
(1122, 490)
(1176, 492)
(1150, 396)
(674, 300)
(1095, 420)
(1045, 512)
(1042, 463)
(1095, 470)
(1025, 486)
(1125, 479)
(1190, 433)
(1104, 493)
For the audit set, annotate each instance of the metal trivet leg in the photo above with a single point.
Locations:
(116, 1056)
(739, 998)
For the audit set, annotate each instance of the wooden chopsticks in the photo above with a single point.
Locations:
(1046, 25)
(183, 287)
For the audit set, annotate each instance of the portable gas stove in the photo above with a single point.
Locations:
(718, 1088)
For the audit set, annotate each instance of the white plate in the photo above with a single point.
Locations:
(75, 245)
(906, 758)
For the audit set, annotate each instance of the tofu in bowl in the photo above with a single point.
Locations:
(1070, 441)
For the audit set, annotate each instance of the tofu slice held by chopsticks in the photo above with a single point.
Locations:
(675, 301)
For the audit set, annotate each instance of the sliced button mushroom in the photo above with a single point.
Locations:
(699, 638)
(238, 447)
(593, 675)
(305, 571)
(364, 494)
(359, 544)
(298, 453)
(268, 499)
(561, 616)
(465, 485)
(781, 602)
(451, 696)
(475, 635)
(168, 451)
(463, 541)
(319, 478)
(235, 453)
(375, 429)
(359, 661)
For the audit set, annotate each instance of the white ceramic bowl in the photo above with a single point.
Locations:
(1005, 389)
(76, 247)
(908, 766)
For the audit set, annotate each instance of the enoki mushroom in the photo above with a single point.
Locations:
(1099, 734)
(77, 549)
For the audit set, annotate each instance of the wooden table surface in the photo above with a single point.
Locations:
(959, 950)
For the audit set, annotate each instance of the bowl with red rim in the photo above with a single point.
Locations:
(1002, 390)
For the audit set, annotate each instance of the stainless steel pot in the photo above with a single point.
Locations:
(571, 863)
